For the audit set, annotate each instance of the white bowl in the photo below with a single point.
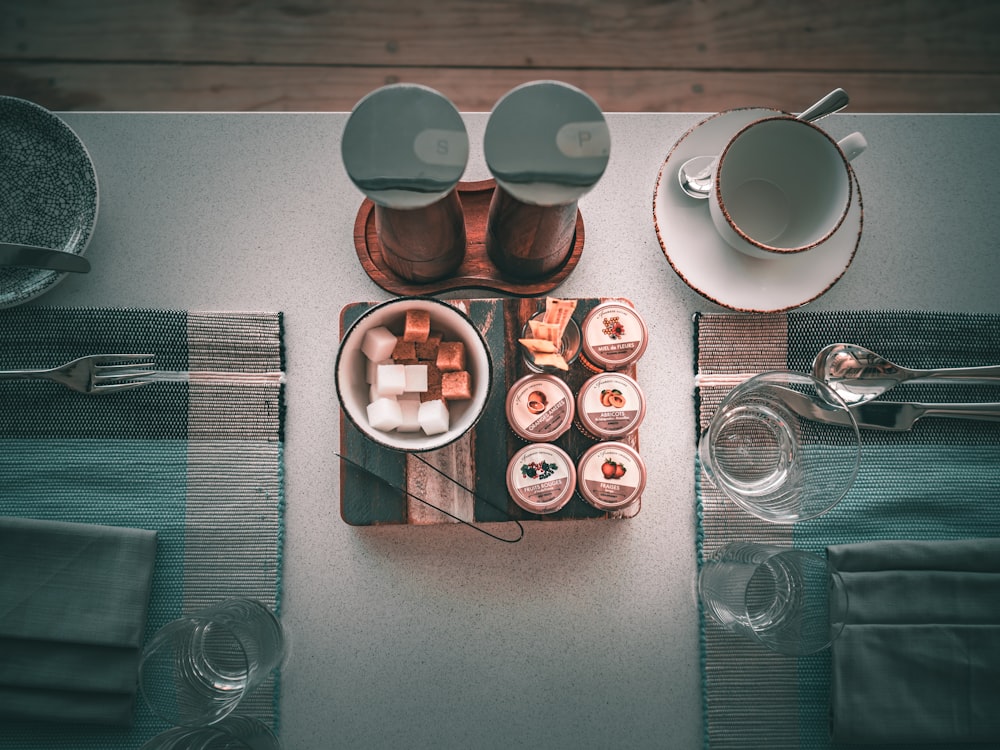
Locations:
(353, 391)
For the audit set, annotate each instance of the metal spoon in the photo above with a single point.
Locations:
(858, 374)
(696, 174)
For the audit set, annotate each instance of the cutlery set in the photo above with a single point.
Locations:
(859, 375)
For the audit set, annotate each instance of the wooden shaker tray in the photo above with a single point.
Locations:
(477, 270)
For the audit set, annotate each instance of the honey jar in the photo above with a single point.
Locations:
(614, 337)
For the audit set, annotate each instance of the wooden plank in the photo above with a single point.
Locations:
(761, 35)
(221, 88)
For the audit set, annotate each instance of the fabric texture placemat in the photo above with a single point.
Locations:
(195, 456)
(937, 481)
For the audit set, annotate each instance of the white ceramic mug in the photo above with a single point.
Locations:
(782, 186)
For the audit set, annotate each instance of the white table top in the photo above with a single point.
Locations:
(585, 634)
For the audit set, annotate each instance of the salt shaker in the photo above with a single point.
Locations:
(405, 147)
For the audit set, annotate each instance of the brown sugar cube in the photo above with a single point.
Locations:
(433, 374)
(432, 393)
(417, 326)
(404, 350)
(456, 386)
(428, 349)
(451, 356)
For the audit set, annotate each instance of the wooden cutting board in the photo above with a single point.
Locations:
(479, 459)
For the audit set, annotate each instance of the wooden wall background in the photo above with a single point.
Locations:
(630, 55)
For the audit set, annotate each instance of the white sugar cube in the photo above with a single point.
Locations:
(373, 394)
(410, 410)
(378, 344)
(433, 417)
(390, 380)
(384, 414)
(416, 378)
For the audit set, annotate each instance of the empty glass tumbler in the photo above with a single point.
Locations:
(783, 446)
(791, 601)
(195, 670)
(231, 733)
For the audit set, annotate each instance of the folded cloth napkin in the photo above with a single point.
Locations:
(73, 604)
(918, 660)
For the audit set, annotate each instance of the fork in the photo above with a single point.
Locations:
(95, 373)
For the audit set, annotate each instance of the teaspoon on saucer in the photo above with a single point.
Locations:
(695, 175)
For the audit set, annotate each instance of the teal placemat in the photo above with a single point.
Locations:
(196, 456)
(940, 480)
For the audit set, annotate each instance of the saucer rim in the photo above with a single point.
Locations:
(716, 297)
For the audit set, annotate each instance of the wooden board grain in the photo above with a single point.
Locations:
(316, 88)
(889, 35)
(630, 55)
(479, 460)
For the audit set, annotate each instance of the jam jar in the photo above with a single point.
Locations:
(541, 478)
(611, 476)
(610, 405)
(540, 408)
(614, 337)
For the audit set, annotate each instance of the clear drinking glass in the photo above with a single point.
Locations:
(569, 346)
(793, 602)
(773, 458)
(195, 670)
(231, 733)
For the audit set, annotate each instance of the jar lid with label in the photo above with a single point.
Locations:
(610, 406)
(541, 478)
(540, 408)
(611, 476)
(614, 337)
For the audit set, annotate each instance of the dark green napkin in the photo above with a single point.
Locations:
(919, 658)
(73, 604)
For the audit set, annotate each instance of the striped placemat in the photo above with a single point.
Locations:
(196, 456)
(940, 480)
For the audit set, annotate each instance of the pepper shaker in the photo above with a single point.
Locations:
(546, 144)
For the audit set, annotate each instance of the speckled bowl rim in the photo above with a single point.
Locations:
(19, 285)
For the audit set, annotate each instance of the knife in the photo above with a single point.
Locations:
(882, 415)
(31, 256)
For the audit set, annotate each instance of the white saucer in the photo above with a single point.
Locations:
(717, 271)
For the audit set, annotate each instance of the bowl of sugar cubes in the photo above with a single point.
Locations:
(413, 374)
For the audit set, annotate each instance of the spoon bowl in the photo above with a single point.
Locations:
(857, 374)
